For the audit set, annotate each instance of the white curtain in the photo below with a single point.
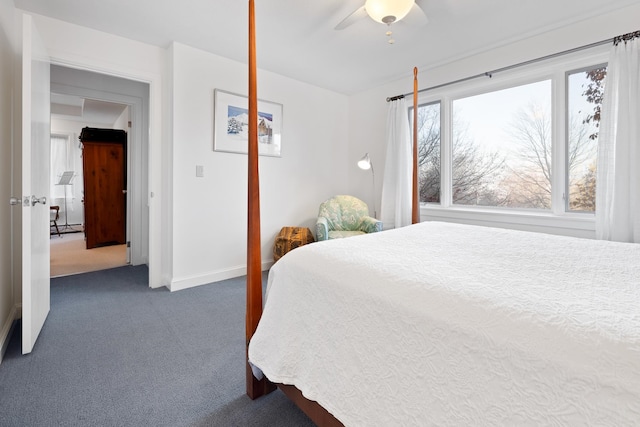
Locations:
(60, 162)
(618, 176)
(395, 210)
(66, 157)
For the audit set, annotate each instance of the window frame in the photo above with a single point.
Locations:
(559, 219)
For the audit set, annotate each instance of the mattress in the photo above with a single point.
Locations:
(448, 324)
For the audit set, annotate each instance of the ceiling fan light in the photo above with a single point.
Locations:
(388, 11)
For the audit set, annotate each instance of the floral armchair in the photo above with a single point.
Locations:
(344, 216)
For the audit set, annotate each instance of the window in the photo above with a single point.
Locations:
(525, 142)
(584, 98)
(501, 148)
(429, 152)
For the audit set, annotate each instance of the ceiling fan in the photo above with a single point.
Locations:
(387, 12)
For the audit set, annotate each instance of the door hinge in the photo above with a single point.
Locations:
(128, 244)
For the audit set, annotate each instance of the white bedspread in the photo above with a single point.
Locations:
(446, 324)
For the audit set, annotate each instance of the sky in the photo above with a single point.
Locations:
(488, 116)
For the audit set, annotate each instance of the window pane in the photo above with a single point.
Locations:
(501, 147)
(584, 98)
(429, 152)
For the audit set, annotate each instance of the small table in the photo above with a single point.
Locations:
(290, 238)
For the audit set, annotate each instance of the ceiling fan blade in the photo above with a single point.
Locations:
(417, 16)
(352, 18)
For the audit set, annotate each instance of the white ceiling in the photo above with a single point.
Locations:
(86, 111)
(296, 38)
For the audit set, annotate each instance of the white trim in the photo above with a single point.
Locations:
(7, 328)
(214, 276)
(559, 133)
(577, 225)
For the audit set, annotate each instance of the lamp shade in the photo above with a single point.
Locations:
(365, 162)
(388, 11)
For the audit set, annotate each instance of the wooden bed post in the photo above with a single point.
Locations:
(415, 207)
(255, 388)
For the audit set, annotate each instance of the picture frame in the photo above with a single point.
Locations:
(230, 125)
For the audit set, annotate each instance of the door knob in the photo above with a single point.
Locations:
(35, 200)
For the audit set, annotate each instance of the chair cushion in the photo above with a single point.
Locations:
(344, 213)
(342, 233)
(54, 213)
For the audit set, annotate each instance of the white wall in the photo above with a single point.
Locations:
(209, 213)
(368, 109)
(7, 63)
(122, 121)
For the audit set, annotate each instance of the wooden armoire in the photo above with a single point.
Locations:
(104, 161)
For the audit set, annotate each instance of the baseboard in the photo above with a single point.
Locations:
(7, 328)
(178, 284)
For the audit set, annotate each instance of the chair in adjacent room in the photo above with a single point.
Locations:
(344, 216)
(55, 216)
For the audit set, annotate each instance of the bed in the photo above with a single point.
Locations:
(449, 324)
(443, 324)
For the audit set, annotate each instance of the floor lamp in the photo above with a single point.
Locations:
(365, 164)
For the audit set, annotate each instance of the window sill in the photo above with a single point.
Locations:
(570, 224)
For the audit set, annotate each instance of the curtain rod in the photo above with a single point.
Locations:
(626, 37)
(509, 67)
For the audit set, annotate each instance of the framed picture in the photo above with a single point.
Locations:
(231, 126)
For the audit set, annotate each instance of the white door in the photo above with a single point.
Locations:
(36, 142)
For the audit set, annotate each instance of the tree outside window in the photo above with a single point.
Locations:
(585, 90)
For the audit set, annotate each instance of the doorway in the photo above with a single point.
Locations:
(69, 249)
(86, 99)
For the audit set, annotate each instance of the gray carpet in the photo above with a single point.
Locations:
(114, 352)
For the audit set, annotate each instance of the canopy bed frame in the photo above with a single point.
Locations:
(481, 326)
(255, 387)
